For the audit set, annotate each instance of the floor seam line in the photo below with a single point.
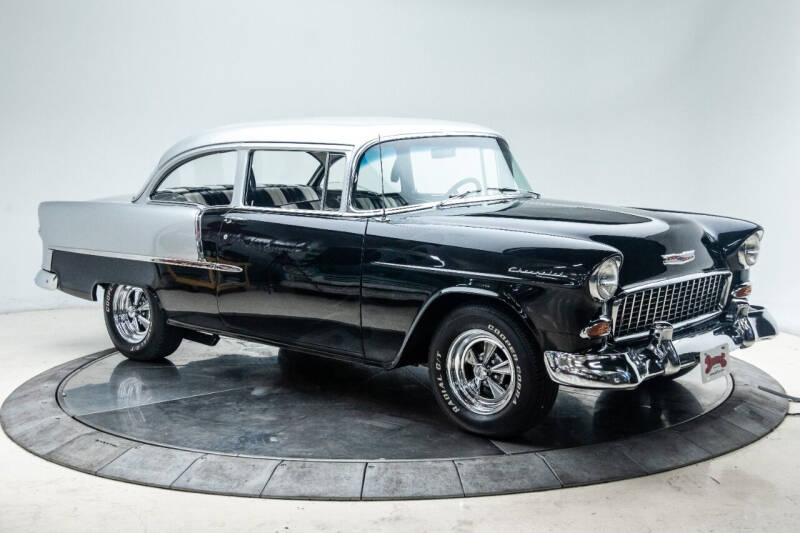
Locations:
(499, 448)
(186, 470)
(460, 481)
(261, 494)
(547, 464)
(619, 447)
(114, 459)
(363, 480)
(728, 422)
(70, 441)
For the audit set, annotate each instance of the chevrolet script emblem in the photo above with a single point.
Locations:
(679, 258)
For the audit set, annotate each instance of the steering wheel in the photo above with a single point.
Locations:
(460, 183)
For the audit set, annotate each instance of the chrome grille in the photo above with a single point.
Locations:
(677, 302)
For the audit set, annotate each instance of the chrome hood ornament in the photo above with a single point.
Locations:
(679, 258)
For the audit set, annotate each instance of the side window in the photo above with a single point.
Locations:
(368, 192)
(205, 180)
(284, 178)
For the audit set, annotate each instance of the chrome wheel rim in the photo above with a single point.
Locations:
(481, 372)
(130, 308)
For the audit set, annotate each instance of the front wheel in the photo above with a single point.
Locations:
(137, 325)
(487, 375)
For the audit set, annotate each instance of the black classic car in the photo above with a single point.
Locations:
(404, 242)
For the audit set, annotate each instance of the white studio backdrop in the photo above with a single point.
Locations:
(685, 105)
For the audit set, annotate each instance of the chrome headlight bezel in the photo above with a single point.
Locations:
(604, 279)
(748, 251)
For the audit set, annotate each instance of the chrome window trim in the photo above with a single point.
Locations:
(305, 212)
(150, 259)
(162, 170)
(301, 148)
(346, 209)
(725, 293)
(240, 179)
(158, 177)
(378, 140)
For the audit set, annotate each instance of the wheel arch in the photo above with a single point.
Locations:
(414, 349)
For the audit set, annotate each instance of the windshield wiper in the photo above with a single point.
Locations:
(458, 196)
(504, 190)
(501, 190)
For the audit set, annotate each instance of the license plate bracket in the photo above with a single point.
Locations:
(715, 363)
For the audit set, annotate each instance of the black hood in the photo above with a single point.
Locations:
(641, 235)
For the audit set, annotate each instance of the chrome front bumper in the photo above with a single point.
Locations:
(626, 368)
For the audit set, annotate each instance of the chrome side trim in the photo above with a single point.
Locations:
(452, 272)
(161, 260)
(302, 212)
(378, 213)
(46, 280)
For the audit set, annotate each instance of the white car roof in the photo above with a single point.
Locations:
(353, 131)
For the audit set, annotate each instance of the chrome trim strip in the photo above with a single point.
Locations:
(452, 272)
(301, 212)
(240, 179)
(676, 326)
(669, 281)
(438, 204)
(161, 260)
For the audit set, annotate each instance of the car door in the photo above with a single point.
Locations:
(300, 256)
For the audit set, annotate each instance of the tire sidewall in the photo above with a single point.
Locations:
(525, 398)
(128, 347)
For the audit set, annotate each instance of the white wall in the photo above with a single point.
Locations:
(684, 105)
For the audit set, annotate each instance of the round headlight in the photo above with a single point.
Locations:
(604, 280)
(748, 251)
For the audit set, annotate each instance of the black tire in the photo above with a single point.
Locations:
(532, 392)
(158, 340)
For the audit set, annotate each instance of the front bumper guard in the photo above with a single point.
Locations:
(614, 368)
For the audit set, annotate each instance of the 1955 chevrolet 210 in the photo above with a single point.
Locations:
(396, 242)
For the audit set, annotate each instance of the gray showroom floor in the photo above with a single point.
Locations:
(241, 399)
(755, 488)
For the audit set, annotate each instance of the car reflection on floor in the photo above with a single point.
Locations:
(242, 398)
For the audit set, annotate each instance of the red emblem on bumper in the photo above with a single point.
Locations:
(712, 361)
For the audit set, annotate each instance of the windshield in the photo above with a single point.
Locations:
(433, 169)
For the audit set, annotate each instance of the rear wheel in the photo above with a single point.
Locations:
(488, 376)
(137, 325)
